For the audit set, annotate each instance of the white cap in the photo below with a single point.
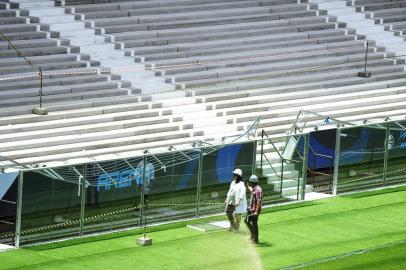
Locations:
(253, 179)
(238, 172)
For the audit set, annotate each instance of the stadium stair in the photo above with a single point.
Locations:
(390, 14)
(110, 56)
(69, 75)
(366, 25)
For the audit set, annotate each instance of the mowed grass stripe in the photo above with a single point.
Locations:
(382, 258)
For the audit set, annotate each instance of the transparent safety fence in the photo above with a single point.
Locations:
(217, 174)
(113, 194)
(51, 205)
(396, 163)
(361, 158)
(101, 196)
(170, 186)
(320, 160)
(8, 207)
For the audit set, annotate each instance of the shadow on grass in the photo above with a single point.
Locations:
(264, 244)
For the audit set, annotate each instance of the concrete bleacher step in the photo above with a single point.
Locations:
(288, 66)
(31, 4)
(218, 28)
(9, 85)
(286, 116)
(287, 77)
(45, 67)
(114, 152)
(343, 100)
(201, 37)
(121, 111)
(29, 131)
(365, 26)
(59, 89)
(45, 11)
(50, 99)
(30, 35)
(14, 145)
(300, 96)
(133, 26)
(67, 147)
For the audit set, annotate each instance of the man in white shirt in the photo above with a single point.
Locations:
(236, 201)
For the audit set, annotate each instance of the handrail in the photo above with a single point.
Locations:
(4, 158)
(273, 145)
(295, 127)
(270, 164)
(248, 132)
(291, 160)
(318, 154)
(324, 116)
(263, 154)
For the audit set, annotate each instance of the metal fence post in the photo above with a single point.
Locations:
(336, 160)
(199, 183)
(19, 209)
(254, 159)
(385, 160)
(262, 148)
(83, 199)
(304, 165)
(281, 176)
(142, 208)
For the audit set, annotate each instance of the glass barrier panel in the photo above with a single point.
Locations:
(361, 158)
(113, 194)
(396, 168)
(217, 174)
(8, 206)
(50, 204)
(170, 186)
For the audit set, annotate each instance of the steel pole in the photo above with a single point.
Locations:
(199, 183)
(304, 165)
(19, 209)
(336, 160)
(385, 160)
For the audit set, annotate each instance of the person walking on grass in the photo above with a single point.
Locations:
(236, 201)
(254, 209)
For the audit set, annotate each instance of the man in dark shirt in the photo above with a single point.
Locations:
(254, 208)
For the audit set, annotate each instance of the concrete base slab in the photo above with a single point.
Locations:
(363, 74)
(144, 241)
(5, 247)
(225, 224)
(40, 110)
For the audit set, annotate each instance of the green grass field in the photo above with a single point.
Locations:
(360, 231)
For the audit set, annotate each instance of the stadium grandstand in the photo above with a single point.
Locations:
(96, 81)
